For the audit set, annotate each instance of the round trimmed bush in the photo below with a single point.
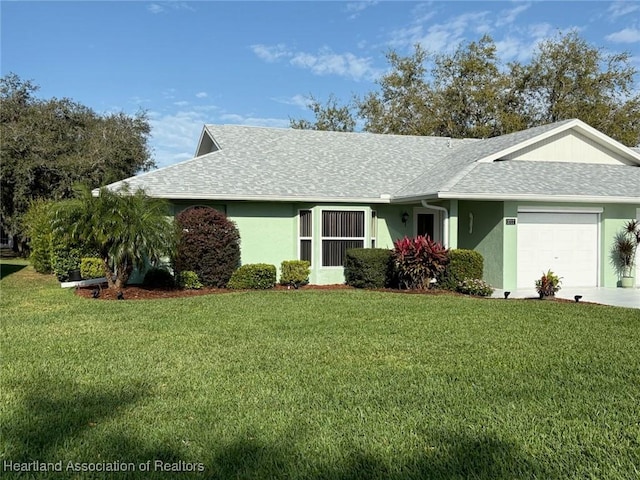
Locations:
(257, 276)
(463, 264)
(208, 244)
(368, 267)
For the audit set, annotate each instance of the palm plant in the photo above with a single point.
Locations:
(128, 230)
(625, 248)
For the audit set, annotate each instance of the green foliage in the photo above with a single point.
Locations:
(368, 267)
(475, 286)
(189, 280)
(330, 116)
(158, 277)
(49, 145)
(463, 264)
(258, 276)
(295, 272)
(208, 244)
(548, 285)
(37, 221)
(65, 258)
(130, 230)
(417, 261)
(91, 267)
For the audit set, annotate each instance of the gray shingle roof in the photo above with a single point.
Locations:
(284, 163)
(550, 178)
(287, 164)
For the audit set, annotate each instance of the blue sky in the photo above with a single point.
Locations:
(253, 63)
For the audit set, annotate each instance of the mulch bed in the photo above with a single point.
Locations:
(137, 292)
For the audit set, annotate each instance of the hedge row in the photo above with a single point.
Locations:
(374, 268)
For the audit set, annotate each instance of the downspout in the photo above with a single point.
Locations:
(445, 226)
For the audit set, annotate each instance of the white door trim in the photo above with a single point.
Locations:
(437, 222)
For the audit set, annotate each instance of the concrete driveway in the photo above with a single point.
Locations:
(619, 297)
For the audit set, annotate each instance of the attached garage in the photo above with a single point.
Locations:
(565, 242)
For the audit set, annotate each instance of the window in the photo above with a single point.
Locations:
(341, 230)
(374, 228)
(305, 235)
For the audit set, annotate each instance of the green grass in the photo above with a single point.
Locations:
(318, 385)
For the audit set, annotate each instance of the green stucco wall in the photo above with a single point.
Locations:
(484, 234)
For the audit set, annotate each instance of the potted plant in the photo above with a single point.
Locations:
(548, 285)
(624, 251)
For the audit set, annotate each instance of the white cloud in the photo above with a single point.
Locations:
(163, 7)
(620, 9)
(174, 136)
(254, 121)
(355, 8)
(182, 103)
(627, 35)
(325, 62)
(270, 53)
(507, 17)
(202, 95)
(155, 8)
(441, 37)
(298, 100)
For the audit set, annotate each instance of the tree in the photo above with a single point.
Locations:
(404, 104)
(128, 230)
(329, 116)
(49, 145)
(472, 97)
(568, 78)
(470, 93)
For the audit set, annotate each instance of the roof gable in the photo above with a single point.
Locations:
(567, 141)
(573, 147)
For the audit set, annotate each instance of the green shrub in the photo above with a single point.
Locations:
(368, 267)
(37, 221)
(259, 276)
(463, 265)
(158, 277)
(91, 267)
(295, 272)
(189, 280)
(475, 286)
(209, 244)
(65, 258)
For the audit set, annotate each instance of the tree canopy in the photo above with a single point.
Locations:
(50, 145)
(471, 93)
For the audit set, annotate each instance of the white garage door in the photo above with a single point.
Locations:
(566, 243)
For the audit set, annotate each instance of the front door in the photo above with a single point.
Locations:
(427, 222)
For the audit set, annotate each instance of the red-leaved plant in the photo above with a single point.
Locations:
(418, 260)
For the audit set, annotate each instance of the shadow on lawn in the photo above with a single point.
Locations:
(58, 421)
(7, 269)
(454, 457)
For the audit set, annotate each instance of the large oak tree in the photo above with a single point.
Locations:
(48, 145)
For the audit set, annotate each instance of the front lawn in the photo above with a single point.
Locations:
(316, 385)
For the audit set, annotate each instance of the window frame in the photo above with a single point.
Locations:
(302, 238)
(362, 239)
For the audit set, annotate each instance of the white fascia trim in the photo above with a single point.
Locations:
(540, 198)
(543, 209)
(272, 198)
